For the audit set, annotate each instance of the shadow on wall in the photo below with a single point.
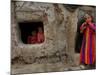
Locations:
(79, 36)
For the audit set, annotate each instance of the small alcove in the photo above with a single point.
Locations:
(31, 32)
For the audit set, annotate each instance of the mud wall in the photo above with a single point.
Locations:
(60, 27)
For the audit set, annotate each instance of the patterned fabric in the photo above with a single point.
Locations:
(88, 48)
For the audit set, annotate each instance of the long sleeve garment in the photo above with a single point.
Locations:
(88, 48)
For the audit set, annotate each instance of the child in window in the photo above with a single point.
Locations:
(40, 35)
(32, 39)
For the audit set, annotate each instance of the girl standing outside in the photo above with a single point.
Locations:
(88, 48)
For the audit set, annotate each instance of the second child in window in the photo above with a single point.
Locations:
(40, 35)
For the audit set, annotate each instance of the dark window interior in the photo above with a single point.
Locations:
(26, 29)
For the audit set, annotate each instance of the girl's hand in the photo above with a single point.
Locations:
(89, 23)
(83, 29)
(84, 23)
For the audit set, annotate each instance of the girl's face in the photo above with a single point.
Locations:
(88, 19)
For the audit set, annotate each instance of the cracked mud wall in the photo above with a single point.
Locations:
(60, 27)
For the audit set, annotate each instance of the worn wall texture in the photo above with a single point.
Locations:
(60, 27)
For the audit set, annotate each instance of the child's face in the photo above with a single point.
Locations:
(33, 32)
(40, 30)
(88, 19)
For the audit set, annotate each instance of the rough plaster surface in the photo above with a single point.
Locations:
(60, 27)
